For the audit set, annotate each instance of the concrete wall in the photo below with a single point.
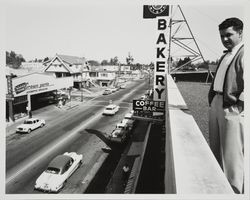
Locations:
(195, 169)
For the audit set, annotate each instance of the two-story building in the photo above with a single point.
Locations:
(106, 75)
(65, 66)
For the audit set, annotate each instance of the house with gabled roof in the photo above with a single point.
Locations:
(65, 65)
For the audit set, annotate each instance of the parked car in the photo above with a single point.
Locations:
(58, 171)
(123, 86)
(129, 120)
(144, 97)
(111, 109)
(30, 125)
(107, 91)
(113, 89)
(120, 133)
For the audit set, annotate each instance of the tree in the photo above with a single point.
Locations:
(114, 61)
(45, 59)
(129, 59)
(13, 59)
(105, 62)
(151, 65)
(93, 62)
(183, 62)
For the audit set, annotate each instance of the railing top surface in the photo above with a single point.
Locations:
(196, 169)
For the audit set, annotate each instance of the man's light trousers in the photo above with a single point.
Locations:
(226, 136)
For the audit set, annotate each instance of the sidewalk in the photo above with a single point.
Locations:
(51, 112)
(132, 155)
(47, 113)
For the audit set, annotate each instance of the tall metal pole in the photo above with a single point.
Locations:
(191, 33)
(170, 39)
(81, 90)
(81, 83)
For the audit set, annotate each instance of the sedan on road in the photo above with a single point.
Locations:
(58, 171)
(107, 91)
(111, 109)
(30, 125)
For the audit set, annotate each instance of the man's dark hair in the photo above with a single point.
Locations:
(234, 22)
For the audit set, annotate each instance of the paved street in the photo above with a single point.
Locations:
(79, 127)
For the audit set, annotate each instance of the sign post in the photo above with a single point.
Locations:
(148, 108)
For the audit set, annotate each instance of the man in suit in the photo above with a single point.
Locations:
(226, 101)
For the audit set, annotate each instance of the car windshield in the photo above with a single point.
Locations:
(52, 170)
(109, 108)
(28, 122)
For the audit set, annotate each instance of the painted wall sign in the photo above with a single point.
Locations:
(37, 83)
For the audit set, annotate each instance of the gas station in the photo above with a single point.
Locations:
(24, 93)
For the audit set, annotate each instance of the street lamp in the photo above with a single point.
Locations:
(81, 83)
(81, 90)
(70, 89)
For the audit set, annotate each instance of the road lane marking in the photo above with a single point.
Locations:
(52, 147)
(56, 144)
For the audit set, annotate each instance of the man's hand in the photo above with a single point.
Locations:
(240, 105)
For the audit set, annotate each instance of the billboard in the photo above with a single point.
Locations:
(37, 83)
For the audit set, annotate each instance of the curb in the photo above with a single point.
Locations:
(87, 179)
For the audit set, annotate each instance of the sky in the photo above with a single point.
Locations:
(99, 30)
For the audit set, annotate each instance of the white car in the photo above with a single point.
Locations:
(58, 171)
(120, 133)
(111, 109)
(113, 89)
(123, 86)
(144, 97)
(129, 120)
(107, 91)
(30, 125)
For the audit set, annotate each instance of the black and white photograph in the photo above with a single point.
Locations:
(124, 99)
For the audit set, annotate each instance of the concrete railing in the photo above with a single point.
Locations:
(191, 167)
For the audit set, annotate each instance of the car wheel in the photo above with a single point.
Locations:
(63, 185)
(41, 125)
(79, 164)
(29, 131)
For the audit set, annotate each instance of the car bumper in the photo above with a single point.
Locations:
(21, 131)
(108, 113)
(45, 189)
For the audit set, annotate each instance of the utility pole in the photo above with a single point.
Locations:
(81, 87)
(182, 41)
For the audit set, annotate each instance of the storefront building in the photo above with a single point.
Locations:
(24, 92)
(65, 66)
